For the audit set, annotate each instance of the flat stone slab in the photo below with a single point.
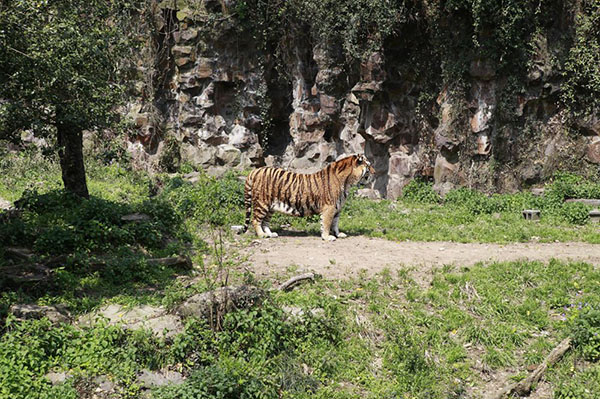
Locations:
(538, 192)
(26, 273)
(150, 379)
(586, 201)
(237, 229)
(140, 317)
(56, 314)
(368, 193)
(19, 253)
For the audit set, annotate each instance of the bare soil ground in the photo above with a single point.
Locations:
(348, 257)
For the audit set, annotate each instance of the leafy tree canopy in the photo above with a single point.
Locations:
(59, 63)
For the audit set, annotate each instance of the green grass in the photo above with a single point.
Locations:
(464, 216)
(371, 339)
(380, 337)
(469, 216)
(403, 220)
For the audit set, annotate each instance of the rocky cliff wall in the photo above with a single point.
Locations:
(220, 96)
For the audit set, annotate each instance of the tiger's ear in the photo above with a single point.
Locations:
(360, 159)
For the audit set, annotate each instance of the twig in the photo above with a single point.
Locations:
(20, 52)
(523, 388)
(291, 283)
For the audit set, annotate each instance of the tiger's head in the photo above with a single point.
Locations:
(358, 167)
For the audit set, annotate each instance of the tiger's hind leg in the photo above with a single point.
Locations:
(335, 228)
(260, 221)
(257, 220)
(265, 226)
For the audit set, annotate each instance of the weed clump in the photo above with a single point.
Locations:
(586, 333)
(58, 223)
(210, 200)
(564, 186)
(420, 192)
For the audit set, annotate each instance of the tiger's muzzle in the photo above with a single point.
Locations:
(368, 176)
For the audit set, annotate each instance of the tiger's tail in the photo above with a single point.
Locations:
(248, 200)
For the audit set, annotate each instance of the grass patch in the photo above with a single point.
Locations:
(368, 338)
(363, 338)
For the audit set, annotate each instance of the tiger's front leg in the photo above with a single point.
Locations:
(327, 217)
(266, 228)
(335, 228)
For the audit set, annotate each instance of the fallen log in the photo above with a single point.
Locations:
(294, 281)
(19, 253)
(523, 388)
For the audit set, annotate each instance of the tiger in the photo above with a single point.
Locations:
(269, 189)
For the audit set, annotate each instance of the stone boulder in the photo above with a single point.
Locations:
(220, 301)
(592, 151)
(228, 154)
(4, 204)
(482, 69)
(55, 313)
(149, 317)
(148, 379)
(368, 193)
(589, 124)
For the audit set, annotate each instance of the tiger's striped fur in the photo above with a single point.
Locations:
(271, 189)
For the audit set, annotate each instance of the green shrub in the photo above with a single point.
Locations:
(582, 385)
(580, 88)
(30, 349)
(476, 202)
(586, 333)
(572, 390)
(210, 200)
(60, 240)
(233, 379)
(58, 223)
(420, 192)
(563, 187)
(575, 212)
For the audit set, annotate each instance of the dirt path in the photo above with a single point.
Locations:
(345, 258)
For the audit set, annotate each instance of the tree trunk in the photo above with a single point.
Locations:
(70, 152)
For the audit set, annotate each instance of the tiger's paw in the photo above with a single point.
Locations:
(341, 235)
(273, 235)
(328, 238)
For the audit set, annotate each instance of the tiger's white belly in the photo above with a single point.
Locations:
(283, 208)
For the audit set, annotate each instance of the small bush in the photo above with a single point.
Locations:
(420, 192)
(215, 201)
(59, 223)
(575, 212)
(571, 391)
(228, 380)
(476, 202)
(586, 333)
(582, 385)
